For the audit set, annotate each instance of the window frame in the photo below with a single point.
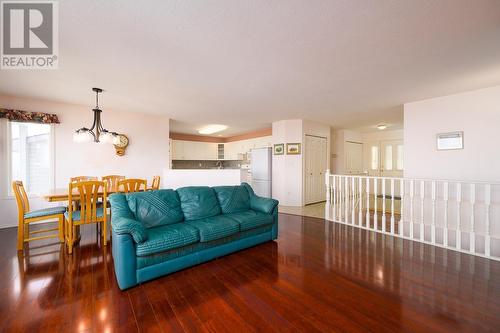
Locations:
(8, 160)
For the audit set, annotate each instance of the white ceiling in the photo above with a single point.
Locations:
(348, 63)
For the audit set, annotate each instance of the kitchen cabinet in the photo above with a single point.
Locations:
(193, 150)
(234, 149)
(208, 151)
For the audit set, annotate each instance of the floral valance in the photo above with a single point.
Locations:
(29, 117)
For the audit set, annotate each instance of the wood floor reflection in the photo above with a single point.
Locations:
(319, 276)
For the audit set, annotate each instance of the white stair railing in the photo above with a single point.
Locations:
(457, 215)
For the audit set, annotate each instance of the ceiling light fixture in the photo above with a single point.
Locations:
(97, 132)
(382, 127)
(211, 129)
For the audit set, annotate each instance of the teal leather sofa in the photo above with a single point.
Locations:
(158, 232)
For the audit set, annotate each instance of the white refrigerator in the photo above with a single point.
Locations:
(261, 166)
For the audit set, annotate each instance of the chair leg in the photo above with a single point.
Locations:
(104, 233)
(70, 231)
(26, 231)
(20, 235)
(61, 228)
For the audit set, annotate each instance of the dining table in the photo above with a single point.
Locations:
(62, 194)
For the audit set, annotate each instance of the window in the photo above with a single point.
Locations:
(30, 156)
(399, 162)
(374, 159)
(388, 157)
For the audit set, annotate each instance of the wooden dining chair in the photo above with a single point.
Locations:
(27, 216)
(132, 185)
(92, 197)
(112, 182)
(82, 178)
(155, 185)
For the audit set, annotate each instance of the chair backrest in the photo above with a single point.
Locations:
(88, 192)
(112, 182)
(156, 183)
(82, 178)
(132, 185)
(23, 205)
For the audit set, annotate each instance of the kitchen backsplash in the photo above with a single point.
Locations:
(183, 164)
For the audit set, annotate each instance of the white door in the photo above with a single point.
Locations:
(391, 158)
(316, 157)
(353, 158)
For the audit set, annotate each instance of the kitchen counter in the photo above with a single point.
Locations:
(175, 178)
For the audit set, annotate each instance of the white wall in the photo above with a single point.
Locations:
(147, 154)
(339, 140)
(477, 114)
(288, 170)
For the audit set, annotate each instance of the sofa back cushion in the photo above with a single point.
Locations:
(233, 199)
(155, 208)
(198, 202)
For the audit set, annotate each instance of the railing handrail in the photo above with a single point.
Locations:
(417, 179)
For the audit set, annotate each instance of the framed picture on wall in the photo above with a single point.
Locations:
(279, 149)
(293, 148)
(450, 141)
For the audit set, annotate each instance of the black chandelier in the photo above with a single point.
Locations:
(97, 132)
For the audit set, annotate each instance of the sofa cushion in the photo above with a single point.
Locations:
(155, 208)
(198, 202)
(167, 237)
(215, 227)
(232, 199)
(250, 219)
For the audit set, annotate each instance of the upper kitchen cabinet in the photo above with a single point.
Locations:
(207, 151)
(193, 150)
(235, 149)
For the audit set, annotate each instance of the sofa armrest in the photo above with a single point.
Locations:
(123, 225)
(124, 259)
(264, 205)
(123, 220)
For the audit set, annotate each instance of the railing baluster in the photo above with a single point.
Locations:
(472, 234)
(402, 203)
(487, 237)
(458, 239)
(445, 213)
(360, 209)
(346, 201)
(375, 217)
(412, 195)
(334, 197)
(433, 217)
(368, 223)
(328, 186)
(392, 206)
(341, 196)
(422, 200)
(383, 205)
(353, 201)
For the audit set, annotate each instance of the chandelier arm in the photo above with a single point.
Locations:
(93, 134)
(98, 125)
(95, 121)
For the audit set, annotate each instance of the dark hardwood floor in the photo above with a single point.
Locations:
(318, 277)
